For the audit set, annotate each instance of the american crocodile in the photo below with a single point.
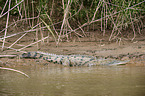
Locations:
(73, 60)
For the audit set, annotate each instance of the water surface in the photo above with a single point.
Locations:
(75, 81)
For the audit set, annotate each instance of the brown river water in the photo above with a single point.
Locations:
(74, 81)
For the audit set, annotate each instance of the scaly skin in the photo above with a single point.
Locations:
(72, 60)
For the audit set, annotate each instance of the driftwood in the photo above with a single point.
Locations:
(15, 71)
(7, 56)
(10, 56)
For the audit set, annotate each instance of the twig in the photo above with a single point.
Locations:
(32, 2)
(17, 40)
(32, 43)
(19, 11)
(25, 12)
(132, 27)
(11, 8)
(138, 28)
(10, 43)
(15, 71)
(48, 27)
(15, 49)
(7, 56)
(52, 8)
(66, 11)
(37, 24)
(114, 28)
(51, 23)
(18, 21)
(19, 33)
(6, 26)
(96, 10)
(37, 39)
(31, 30)
(104, 19)
(82, 29)
(117, 12)
(4, 8)
(41, 32)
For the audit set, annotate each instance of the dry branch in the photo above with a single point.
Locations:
(6, 26)
(15, 71)
(3, 56)
(11, 9)
(33, 43)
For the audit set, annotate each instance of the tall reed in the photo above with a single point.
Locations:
(62, 18)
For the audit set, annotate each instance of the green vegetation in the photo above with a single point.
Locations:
(61, 18)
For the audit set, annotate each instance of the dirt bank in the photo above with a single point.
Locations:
(134, 51)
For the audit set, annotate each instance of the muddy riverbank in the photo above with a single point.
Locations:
(124, 50)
